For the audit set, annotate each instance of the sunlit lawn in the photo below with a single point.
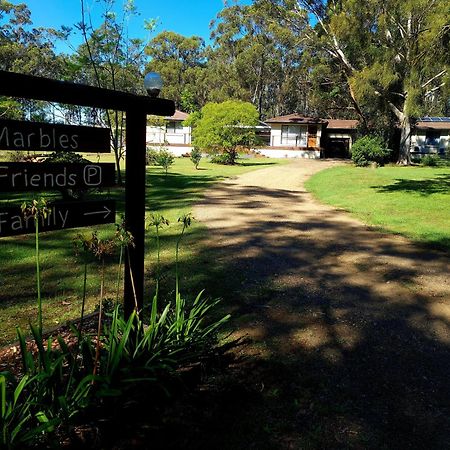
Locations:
(412, 201)
(62, 272)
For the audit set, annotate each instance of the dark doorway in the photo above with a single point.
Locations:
(337, 148)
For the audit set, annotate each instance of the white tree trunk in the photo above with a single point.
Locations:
(404, 156)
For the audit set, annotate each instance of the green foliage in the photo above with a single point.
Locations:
(150, 156)
(164, 158)
(223, 158)
(160, 157)
(59, 383)
(369, 149)
(196, 156)
(430, 161)
(66, 157)
(223, 127)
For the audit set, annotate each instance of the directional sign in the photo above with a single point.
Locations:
(37, 136)
(62, 216)
(37, 176)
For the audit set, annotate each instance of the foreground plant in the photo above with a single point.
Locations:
(37, 210)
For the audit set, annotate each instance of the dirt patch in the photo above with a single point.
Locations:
(350, 326)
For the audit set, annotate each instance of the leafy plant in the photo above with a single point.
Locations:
(196, 156)
(369, 149)
(157, 221)
(165, 159)
(430, 161)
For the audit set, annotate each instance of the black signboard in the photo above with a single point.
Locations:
(47, 176)
(63, 215)
(36, 136)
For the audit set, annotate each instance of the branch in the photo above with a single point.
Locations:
(400, 116)
(434, 90)
(440, 74)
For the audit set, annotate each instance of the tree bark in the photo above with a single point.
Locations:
(404, 157)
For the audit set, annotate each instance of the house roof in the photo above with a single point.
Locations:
(179, 116)
(295, 118)
(433, 123)
(342, 124)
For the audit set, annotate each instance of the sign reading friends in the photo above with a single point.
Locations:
(36, 176)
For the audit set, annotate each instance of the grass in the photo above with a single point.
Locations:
(62, 272)
(411, 201)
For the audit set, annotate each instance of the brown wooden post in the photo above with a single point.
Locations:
(135, 185)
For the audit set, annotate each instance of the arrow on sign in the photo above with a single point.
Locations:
(63, 215)
(106, 211)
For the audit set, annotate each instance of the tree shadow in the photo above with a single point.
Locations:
(349, 351)
(437, 185)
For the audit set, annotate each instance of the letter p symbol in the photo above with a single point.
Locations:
(92, 175)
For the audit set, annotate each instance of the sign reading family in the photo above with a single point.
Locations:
(35, 176)
(62, 215)
(29, 136)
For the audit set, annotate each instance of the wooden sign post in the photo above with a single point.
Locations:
(136, 108)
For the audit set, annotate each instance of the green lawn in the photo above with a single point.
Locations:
(412, 201)
(62, 273)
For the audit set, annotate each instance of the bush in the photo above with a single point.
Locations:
(151, 156)
(430, 161)
(196, 156)
(369, 149)
(223, 158)
(161, 157)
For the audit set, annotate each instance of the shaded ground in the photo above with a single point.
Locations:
(350, 327)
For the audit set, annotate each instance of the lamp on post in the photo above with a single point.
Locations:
(153, 84)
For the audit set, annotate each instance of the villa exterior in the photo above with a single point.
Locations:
(294, 136)
(430, 136)
(173, 134)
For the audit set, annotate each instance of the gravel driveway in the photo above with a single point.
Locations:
(350, 322)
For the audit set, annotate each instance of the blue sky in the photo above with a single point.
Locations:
(187, 17)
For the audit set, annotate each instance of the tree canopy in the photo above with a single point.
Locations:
(224, 127)
(385, 62)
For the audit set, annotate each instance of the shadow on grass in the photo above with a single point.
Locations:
(437, 185)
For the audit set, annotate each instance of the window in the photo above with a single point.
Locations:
(173, 127)
(294, 135)
(432, 138)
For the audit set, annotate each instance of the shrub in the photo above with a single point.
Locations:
(223, 158)
(151, 156)
(161, 157)
(369, 149)
(196, 156)
(430, 161)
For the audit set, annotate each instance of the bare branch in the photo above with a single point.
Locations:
(440, 74)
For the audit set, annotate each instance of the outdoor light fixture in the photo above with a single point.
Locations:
(153, 84)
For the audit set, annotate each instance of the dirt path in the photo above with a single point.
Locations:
(350, 326)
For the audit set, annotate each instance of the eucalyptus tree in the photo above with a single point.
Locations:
(181, 62)
(392, 54)
(257, 54)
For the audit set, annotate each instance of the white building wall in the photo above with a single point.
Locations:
(280, 153)
(158, 135)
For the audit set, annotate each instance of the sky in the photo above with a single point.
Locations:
(186, 17)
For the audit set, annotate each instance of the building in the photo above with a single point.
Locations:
(172, 134)
(430, 136)
(338, 138)
(294, 136)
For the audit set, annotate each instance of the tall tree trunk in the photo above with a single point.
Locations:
(404, 156)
